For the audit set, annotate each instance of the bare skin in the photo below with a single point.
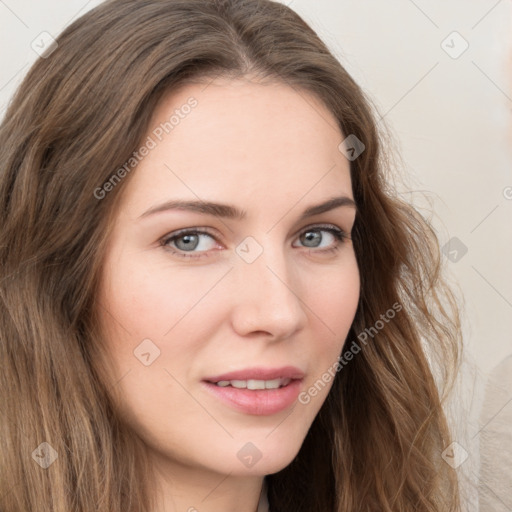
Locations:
(272, 152)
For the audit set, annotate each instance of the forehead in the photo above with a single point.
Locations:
(242, 114)
(238, 138)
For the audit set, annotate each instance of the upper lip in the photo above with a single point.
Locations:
(260, 373)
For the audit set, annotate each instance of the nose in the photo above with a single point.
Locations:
(266, 297)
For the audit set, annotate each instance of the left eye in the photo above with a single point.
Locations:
(312, 236)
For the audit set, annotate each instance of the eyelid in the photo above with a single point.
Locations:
(187, 231)
(326, 226)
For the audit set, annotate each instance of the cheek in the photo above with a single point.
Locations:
(333, 303)
(333, 295)
(149, 301)
(148, 312)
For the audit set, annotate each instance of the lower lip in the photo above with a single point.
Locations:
(258, 401)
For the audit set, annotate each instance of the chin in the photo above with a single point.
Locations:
(262, 457)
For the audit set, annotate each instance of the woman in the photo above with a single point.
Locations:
(211, 297)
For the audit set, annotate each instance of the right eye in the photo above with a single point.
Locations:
(187, 241)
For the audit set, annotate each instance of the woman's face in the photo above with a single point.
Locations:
(260, 285)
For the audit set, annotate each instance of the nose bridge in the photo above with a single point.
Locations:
(267, 299)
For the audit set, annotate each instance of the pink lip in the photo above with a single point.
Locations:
(258, 401)
(260, 373)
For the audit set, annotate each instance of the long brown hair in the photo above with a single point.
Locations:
(78, 116)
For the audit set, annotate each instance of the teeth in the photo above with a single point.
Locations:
(254, 384)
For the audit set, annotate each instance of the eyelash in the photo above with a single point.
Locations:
(339, 234)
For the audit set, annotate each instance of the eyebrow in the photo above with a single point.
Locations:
(232, 212)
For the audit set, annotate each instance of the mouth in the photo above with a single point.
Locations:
(256, 396)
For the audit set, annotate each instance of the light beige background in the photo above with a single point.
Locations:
(451, 118)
